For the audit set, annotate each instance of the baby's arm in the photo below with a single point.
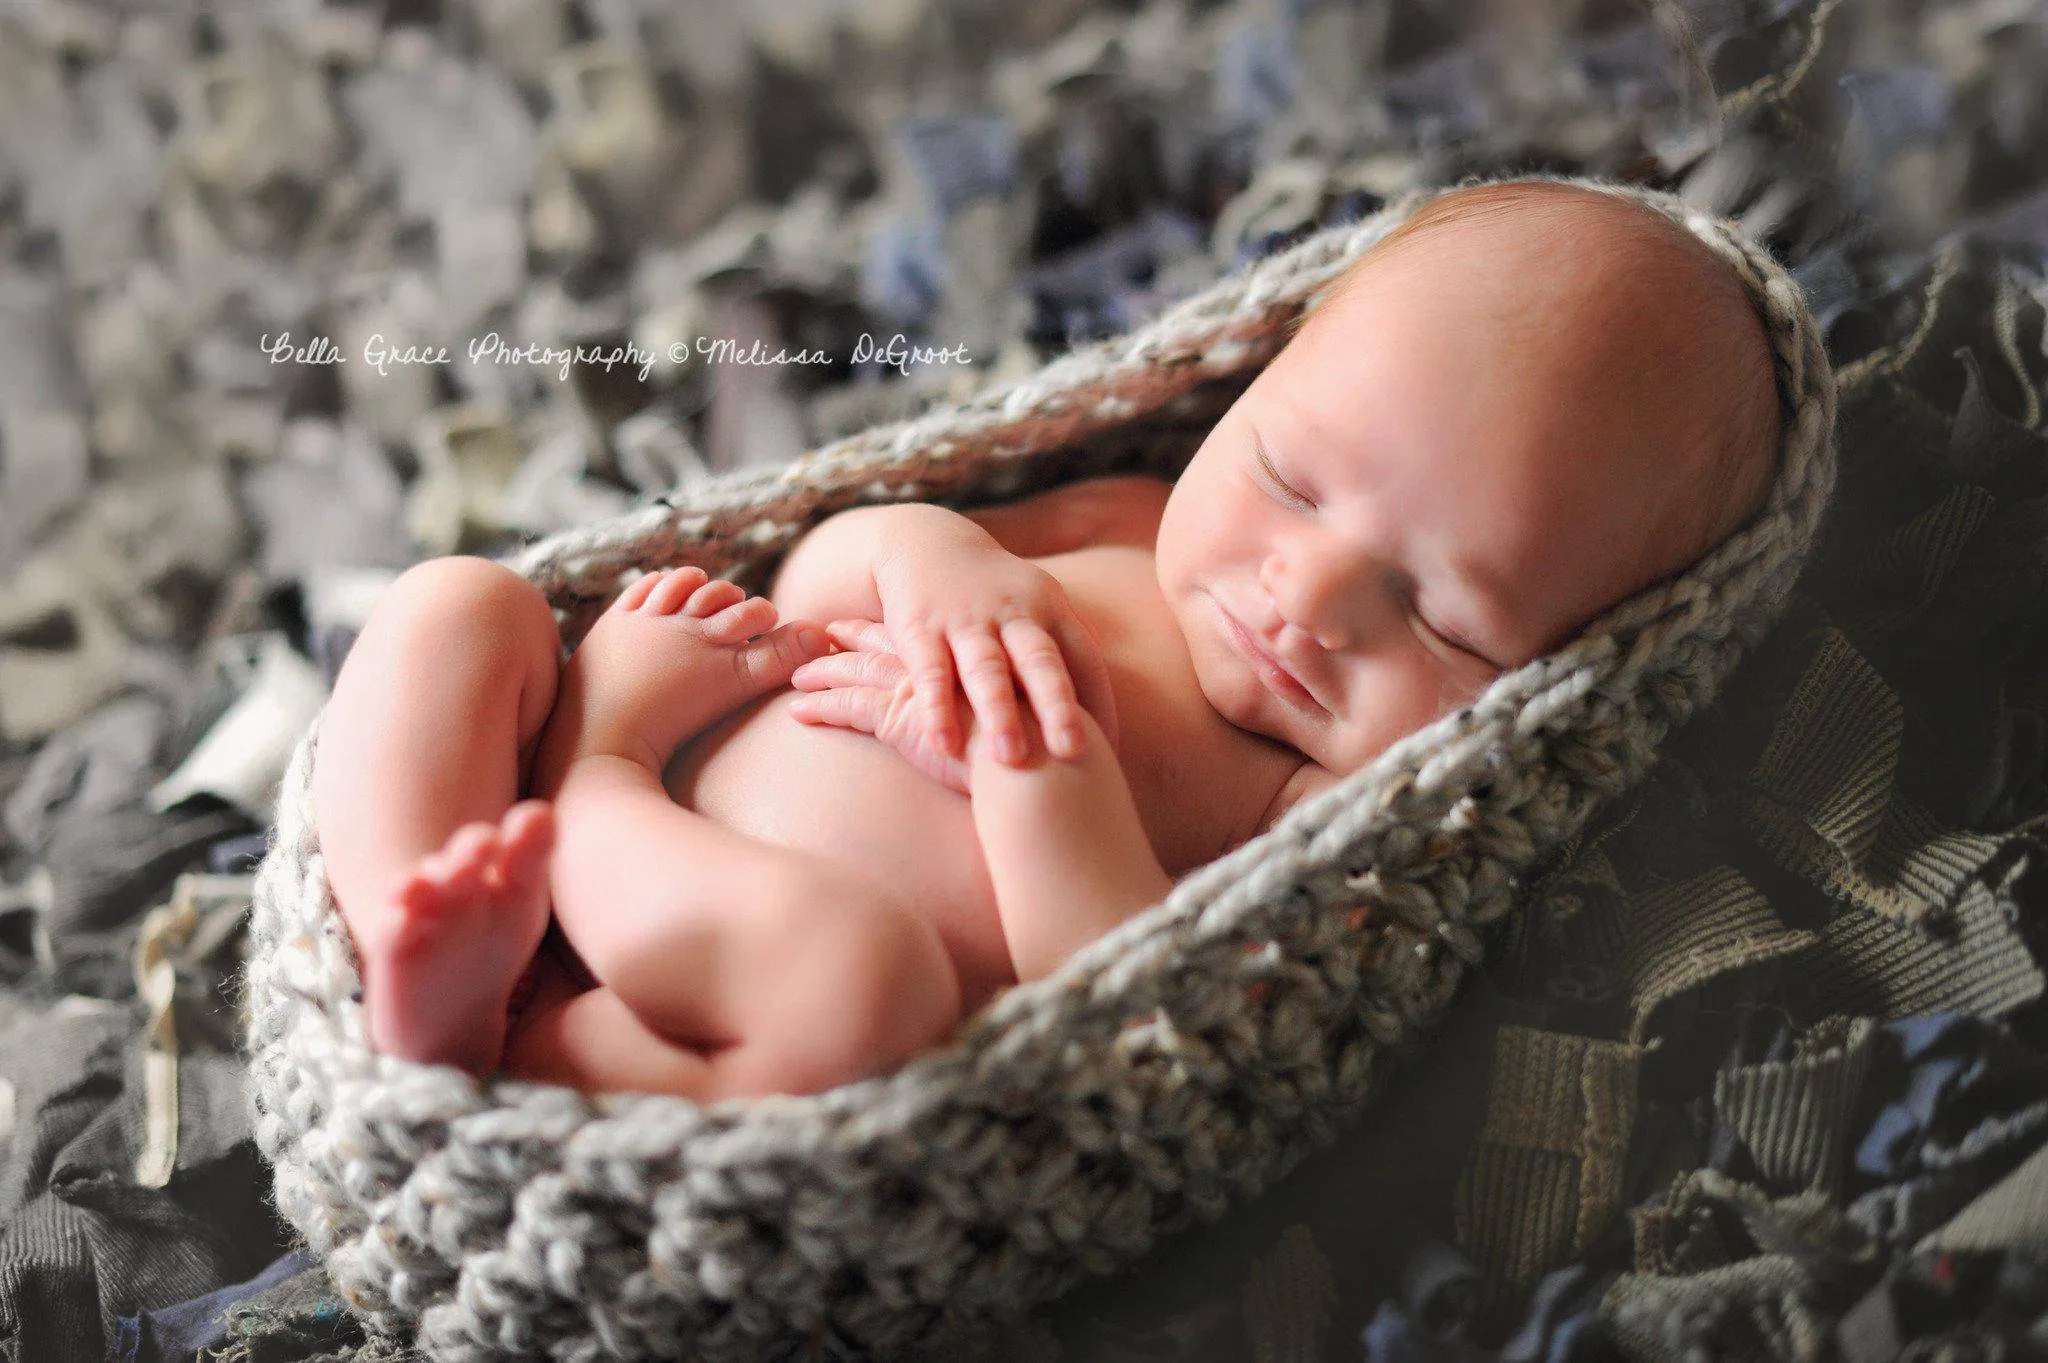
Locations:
(1066, 851)
(958, 606)
(1065, 848)
(829, 573)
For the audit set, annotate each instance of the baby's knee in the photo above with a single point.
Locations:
(465, 594)
(465, 607)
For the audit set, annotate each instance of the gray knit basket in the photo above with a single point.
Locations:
(1183, 1061)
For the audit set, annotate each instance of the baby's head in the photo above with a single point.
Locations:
(1525, 404)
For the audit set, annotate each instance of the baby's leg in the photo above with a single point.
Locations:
(736, 971)
(746, 967)
(420, 757)
(727, 965)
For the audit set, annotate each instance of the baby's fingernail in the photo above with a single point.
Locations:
(1011, 748)
(811, 639)
(1070, 742)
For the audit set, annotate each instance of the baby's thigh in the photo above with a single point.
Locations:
(821, 972)
(848, 954)
(821, 984)
(435, 707)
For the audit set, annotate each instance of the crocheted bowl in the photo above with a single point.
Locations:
(1075, 1119)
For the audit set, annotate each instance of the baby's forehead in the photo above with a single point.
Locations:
(1574, 258)
(1572, 284)
(1580, 320)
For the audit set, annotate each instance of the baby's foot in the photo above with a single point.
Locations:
(458, 931)
(677, 651)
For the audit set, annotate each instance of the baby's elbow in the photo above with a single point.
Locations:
(825, 575)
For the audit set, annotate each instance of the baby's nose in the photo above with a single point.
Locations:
(1321, 599)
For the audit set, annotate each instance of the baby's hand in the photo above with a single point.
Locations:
(867, 688)
(961, 606)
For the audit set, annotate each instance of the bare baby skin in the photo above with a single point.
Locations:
(722, 854)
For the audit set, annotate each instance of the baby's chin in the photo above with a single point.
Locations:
(1251, 724)
(1229, 711)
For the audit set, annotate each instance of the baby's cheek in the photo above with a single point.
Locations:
(1464, 681)
(1430, 691)
(1386, 704)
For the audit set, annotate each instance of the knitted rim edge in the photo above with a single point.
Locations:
(1077, 1118)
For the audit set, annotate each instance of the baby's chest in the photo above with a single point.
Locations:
(1172, 743)
(1115, 589)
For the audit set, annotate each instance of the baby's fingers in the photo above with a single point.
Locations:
(1043, 672)
(930, 660)
(1088, 671)
(985, 676)
(859, 632)
(862, 708)
(860, 668)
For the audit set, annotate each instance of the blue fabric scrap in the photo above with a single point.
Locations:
(963, 157)
(177, 1334)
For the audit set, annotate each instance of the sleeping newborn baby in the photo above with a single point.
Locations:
(755, 857)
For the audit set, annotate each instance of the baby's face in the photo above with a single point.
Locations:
(1435, 482)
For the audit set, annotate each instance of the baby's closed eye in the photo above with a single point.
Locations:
(1450, 644)
(1453, 641)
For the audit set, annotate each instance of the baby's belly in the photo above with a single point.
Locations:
(849, 797)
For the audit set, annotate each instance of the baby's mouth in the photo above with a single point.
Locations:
(1271, 670)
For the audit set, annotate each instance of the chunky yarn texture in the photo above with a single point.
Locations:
(1183, 1061)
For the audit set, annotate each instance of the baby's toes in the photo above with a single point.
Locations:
(668, 595)
(526, 838)
(527, 825)
(742, 621)
(712, 597)
(635, 595)
(460, 864)
(419, 899)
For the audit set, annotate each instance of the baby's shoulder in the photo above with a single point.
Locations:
(1132, 506)
(1088, 513)
(1098, 513)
